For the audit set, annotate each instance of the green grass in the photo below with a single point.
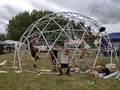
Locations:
(31, 81)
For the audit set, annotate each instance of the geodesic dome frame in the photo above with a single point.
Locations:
(60, 28)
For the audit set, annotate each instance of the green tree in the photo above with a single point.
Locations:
(2, 37)
(18, 24)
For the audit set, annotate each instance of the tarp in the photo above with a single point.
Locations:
(115, 37)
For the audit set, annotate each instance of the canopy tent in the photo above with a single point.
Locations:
(115, 37)
(2, 46)
(14, 43)
(11, 42)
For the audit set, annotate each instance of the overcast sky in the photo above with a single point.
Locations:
(106, 12)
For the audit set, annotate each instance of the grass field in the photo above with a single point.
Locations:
(31, 81)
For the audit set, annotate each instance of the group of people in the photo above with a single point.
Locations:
(83, 46)
(53, 56)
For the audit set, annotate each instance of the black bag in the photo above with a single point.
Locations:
(102, 29)
(106, 71)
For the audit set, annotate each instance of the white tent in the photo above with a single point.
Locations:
(13, 42)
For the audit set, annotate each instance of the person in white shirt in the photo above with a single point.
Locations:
(64, 62)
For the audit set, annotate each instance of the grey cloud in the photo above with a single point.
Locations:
(8, 11)
(34, 4)
(3, 22)
(2, 28)
(46, 5)
(11, 10)
(37, 5)
(41, 5)
(73, 5)
(106, 12)
(115, 1)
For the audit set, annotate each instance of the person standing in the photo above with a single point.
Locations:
(53, 57)
(34, 50)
